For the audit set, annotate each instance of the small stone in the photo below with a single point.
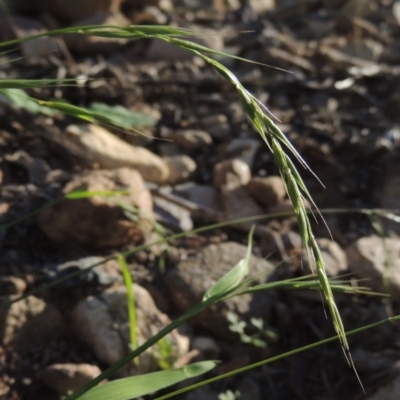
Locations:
(159, 49)
(76, 11)
(86, 44)
(102, 322)
(11, 285)
(111, 152)
(105, 274)
(39, 47)
(37, 168)
(99, 221)
(29, 323)
(284, 207)
(335, 260)
(181, 168)
(64, 378)
(203, 393)
(367, 257)
(396, 11)
(249, 389)
(390, 391)
(191, 139)
(172, 215)
(207, 346)
(202, 195)
(358, 8)
(367, 49)
(193, 276)
(243, 149)
(231, 171)
(268, 191)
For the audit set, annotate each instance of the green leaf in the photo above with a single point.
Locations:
(84, 194)
(123, 117)
(136, 386)
(231, 280)
(18, 99)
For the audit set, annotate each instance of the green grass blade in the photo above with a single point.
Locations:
(234, 277)
(131, 301)
(136, 386)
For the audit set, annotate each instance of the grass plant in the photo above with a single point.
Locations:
(232, 283)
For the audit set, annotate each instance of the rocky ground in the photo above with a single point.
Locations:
(335, 89)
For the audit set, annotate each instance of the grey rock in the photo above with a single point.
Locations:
(192, 277)
(104, 274)
(207, 346)
(367, 257)
(172, 215)
(244, 149)
(64, 378)
(390, 391)
(102, 322)
(203, 195)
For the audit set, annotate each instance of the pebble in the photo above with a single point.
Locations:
(112, 152)
(102, 323)
(268, 191)
(181, 168)
(64, 378)
(234, 171)
(191, 139)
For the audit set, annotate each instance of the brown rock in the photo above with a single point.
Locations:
(85, 44)
(99, 221)
(102, 322)
(193, 276)
(112, 152)
(29, 323)
(235, 172)
(64, 378)
(268, 191)
(367, 257)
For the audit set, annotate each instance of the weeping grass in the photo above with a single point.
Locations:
(281, 148)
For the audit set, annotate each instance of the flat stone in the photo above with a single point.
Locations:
(102, 322)
(193, 276)
(99, 221)
(112, 152)
(202, 195)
